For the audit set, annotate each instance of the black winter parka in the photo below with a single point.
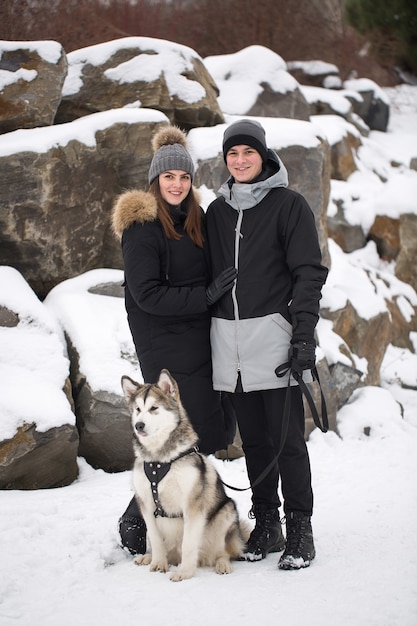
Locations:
(165, 297)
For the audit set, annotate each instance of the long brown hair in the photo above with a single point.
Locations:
(193, 221)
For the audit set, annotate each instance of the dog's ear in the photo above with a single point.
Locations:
(167, 384)
(130, 387)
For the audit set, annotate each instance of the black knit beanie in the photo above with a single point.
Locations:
(248, 133)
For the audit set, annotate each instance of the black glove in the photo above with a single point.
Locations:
(221, 285)
(302, 356)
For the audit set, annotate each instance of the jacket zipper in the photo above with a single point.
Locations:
(238, 237)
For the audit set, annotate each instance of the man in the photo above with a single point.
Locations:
(268, 232)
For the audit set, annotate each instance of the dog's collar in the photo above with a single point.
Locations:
(155, 471)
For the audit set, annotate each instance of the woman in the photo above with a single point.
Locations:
(167, 295)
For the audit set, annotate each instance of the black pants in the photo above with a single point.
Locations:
(259, 415)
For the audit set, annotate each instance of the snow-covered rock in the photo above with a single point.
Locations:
(38, 435)
(31, 77)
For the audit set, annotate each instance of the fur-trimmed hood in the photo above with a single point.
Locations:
(136, 206)
(133, 206)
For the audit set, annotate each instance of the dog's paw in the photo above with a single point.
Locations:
(223, 566)
(182, 574)
(142, 559)
(160, 565)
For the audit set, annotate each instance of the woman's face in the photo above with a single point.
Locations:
(244, 163)
(174, 186)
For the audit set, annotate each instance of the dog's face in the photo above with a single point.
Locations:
(154, 408)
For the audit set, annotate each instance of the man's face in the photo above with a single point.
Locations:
(244, 163)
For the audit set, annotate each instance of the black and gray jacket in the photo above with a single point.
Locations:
(268, 233)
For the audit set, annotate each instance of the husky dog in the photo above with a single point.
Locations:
(190, 520)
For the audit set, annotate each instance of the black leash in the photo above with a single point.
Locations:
(297, 373)
(323, 424)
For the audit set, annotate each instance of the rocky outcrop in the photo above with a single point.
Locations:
(32, 77)
(368, 327)
(140, 72)
(58, 184)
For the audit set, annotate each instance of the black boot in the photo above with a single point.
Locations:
(266, 536)
(299, 551)
(132, 529)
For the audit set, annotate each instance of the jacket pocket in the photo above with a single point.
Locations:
(282, 323)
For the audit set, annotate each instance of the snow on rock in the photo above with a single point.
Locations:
(255, 81)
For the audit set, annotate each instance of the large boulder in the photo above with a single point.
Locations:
(103, 422)
(33, 73)
(101, 351)
(57, 187)
(38, 436)
(140, 72)
(255, 81)
(39, 460)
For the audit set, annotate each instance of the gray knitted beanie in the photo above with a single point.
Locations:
(170, 147)
(248, 133)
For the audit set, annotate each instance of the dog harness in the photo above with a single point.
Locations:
(155, 471)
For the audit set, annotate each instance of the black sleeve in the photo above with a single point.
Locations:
(144, 258)
(303, 256)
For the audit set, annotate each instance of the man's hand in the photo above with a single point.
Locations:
(302, 356)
